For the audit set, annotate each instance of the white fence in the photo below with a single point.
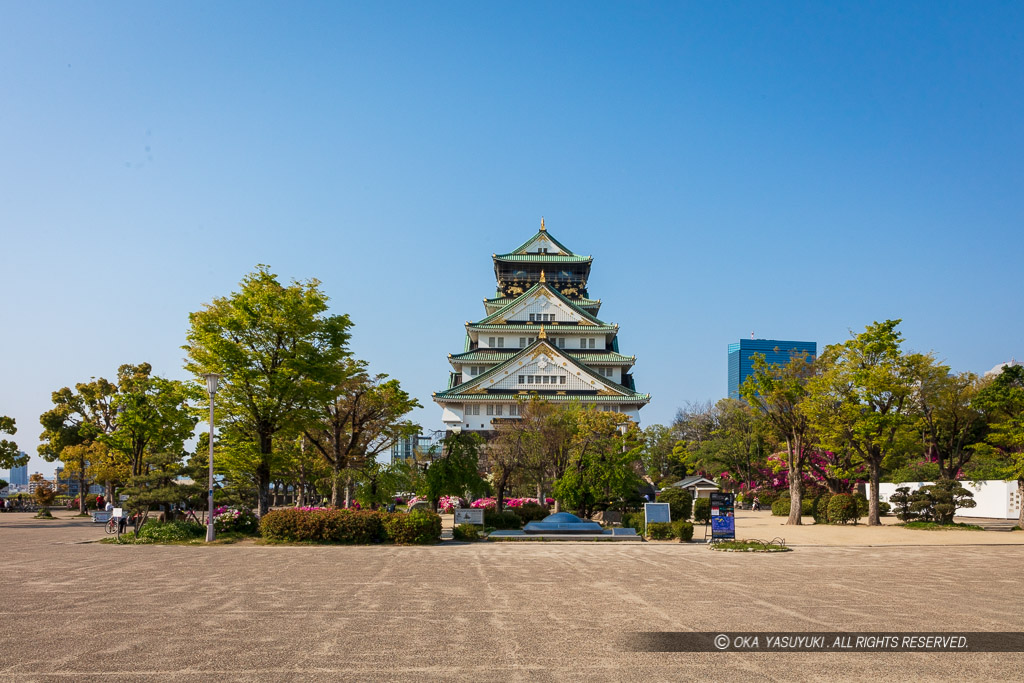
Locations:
(994, 499)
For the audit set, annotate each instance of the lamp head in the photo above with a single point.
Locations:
(211, 383)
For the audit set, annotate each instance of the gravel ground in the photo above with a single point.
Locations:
(508, 612)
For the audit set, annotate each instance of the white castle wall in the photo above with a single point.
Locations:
(993, 498)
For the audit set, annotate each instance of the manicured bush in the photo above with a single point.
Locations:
(633, 520)
(807, 506)
(323, 525)
(680, 502)
(780, 508)
(702, 510)
(884, 508)
(506, 519)
(862, 505)
(842, 508)
(903, 500)
(166, 532)
(531, 512)
(682, 530)
(466, 532)
(820, 511)
(660, 531)
(413, 528)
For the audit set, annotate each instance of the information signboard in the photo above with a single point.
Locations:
(723, 518)
(656, 512)
(469, 516)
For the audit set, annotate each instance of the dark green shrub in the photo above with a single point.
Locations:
(903, 500)
(633, 520)
(169, 532)
(842, 508)
(323, 526)
(939, 501)
(884, 508)
(682, 530)
(659, 531)
(680, 502)
(506, 519)
(413, 528)
(862, 505)
(531, 512)
(806, 506)
(702, 510)
(466, 532)
(780, 508)
(820, 510)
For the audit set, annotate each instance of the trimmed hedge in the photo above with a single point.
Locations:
(702, 510)
(633, 520)
(843, 508)
(683, 530)
(660, 531)
(806, 506)
(780, 508)
(351, 526)
(466, 532)
(506, 519)
(821, 508)
(414, 528)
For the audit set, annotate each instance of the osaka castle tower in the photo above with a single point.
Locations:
(540, 335)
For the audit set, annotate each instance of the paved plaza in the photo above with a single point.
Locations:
(548, 611)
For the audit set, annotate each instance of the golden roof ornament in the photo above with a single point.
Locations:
(542, 334)
(542, 228)
(542, 278)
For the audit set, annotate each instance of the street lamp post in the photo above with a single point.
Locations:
(211, 389)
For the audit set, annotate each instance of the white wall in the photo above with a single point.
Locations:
(993, 498)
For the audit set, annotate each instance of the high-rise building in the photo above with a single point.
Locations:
(407, 447)
(741, 363)
(540, 335)
(19, 475)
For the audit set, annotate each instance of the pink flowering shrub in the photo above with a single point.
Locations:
(485, 503)
(234, 519)
(449, 503)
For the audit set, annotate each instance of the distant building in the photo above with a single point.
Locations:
(998, 370)
(19, 475)
(406, 447)
(741, 363)
(70, 486)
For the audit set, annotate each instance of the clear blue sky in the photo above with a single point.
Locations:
(793, 169)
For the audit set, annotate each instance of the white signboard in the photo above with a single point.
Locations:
(117, 512)
(469, 516)
(656, 512)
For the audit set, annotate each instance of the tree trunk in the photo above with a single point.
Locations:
(335, 478)
(558, 506)
(540, 493)
(874, 476)
(81, 488)
(262, 489)
(1020, 497)
(795, 482)
(348, 492)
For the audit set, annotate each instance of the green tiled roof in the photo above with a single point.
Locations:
(454, 391)
(554, 330)
(585, 398)
(530, 292)
(540, 233)
(499, 356)
(542, 258)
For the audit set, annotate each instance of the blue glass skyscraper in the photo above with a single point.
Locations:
(774, 350)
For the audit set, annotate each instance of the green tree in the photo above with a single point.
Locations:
(456, 471)
(380, 482)
(1002, 399)
(737, 442)
(365, 417)
(279, 357)
(778, 392)
(10, 456)
(863, 399)
(604, 461)
(659, 442)
(78, 418)
(949, 419)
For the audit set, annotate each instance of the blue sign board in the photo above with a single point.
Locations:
(723, 518)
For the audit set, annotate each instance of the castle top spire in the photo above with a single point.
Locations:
(542, 228)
